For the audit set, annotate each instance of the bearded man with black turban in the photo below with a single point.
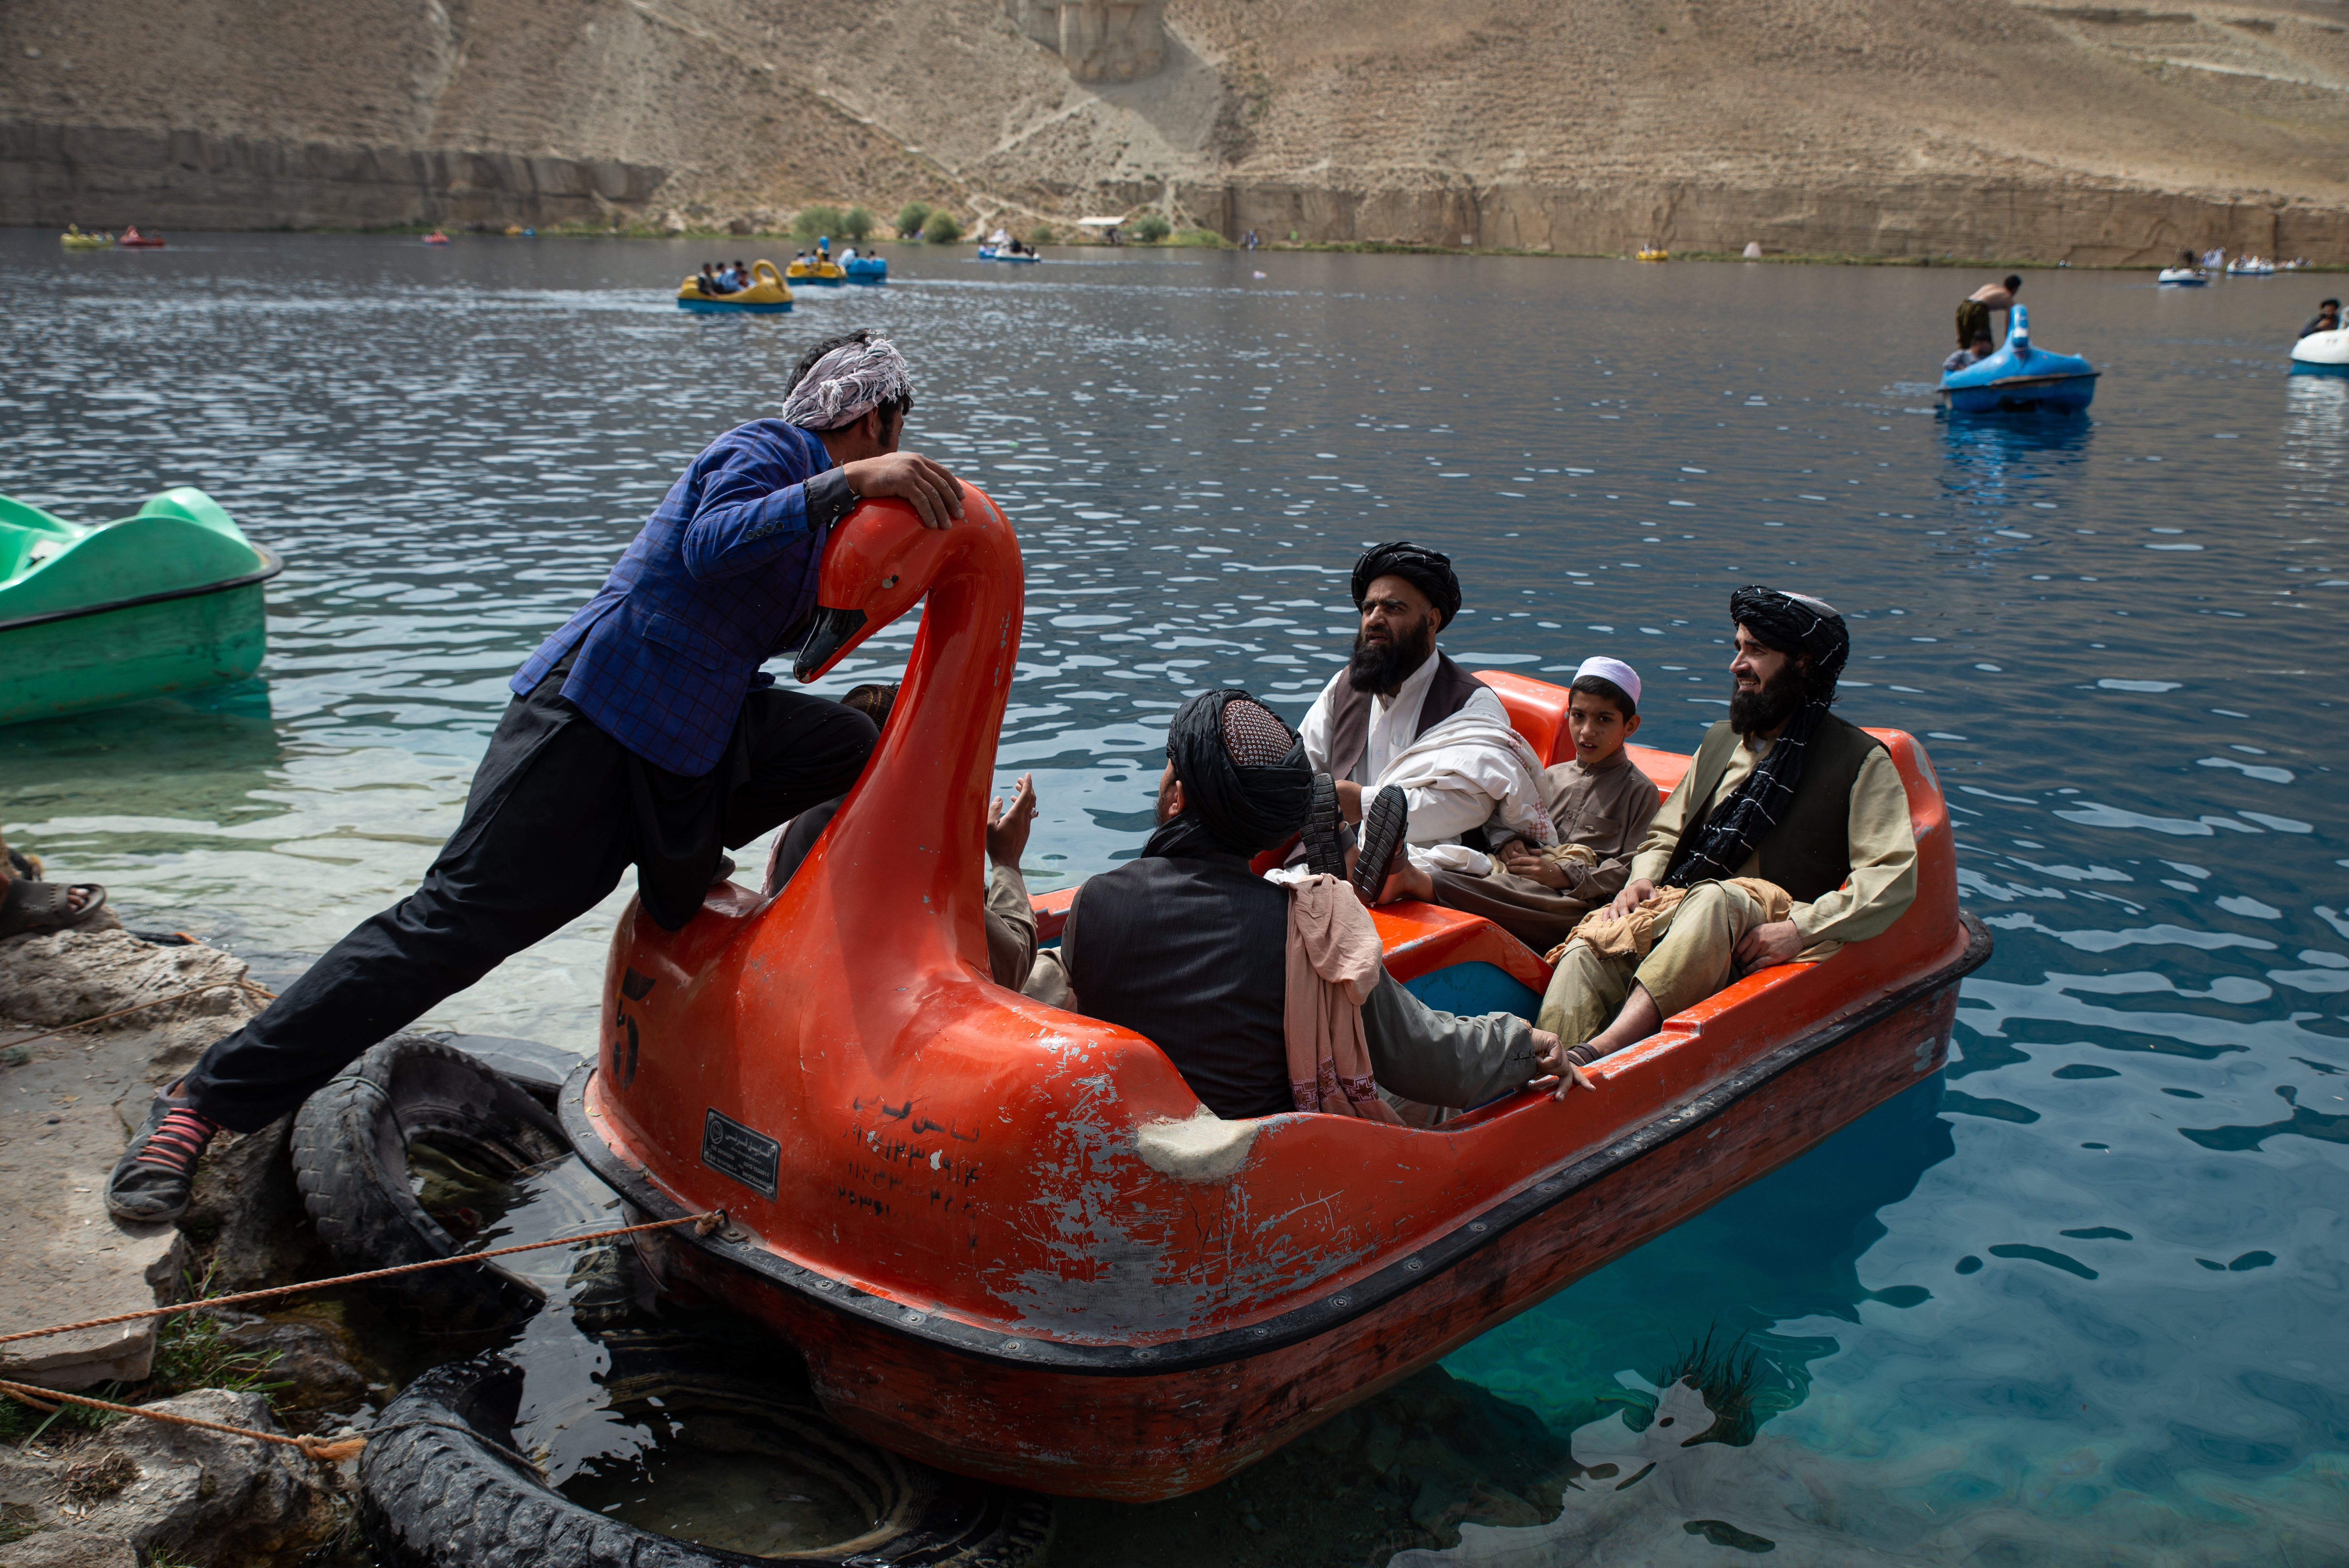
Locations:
(1787, 837)
(1189, 947)
(1403, 713)
(642, 733)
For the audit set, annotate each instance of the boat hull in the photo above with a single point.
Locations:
(78, 660)
(2025, 395)
(722, 307)
(1140, 1424)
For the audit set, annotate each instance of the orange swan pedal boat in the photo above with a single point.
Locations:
(1010, 1241)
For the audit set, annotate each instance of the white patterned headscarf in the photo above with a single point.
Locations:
(847, 384)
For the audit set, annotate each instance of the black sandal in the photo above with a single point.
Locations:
(1324, 834)
(1384, 825)
(37, 906)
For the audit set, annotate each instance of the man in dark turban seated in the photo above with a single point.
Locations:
(1402, 714)
(1189, 947)
(1787, 837)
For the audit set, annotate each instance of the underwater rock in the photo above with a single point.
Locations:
(316, 1358)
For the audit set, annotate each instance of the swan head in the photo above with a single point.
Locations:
(877, 564)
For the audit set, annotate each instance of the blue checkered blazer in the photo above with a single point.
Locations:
(721, 569)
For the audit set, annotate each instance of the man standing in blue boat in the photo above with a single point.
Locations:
(1787, 837)
(642, 733)
(1973, 311)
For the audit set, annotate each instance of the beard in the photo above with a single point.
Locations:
(1383, 667)
(1768, 706)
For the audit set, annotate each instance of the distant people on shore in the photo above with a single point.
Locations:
(2326, 319)
(1973, 313)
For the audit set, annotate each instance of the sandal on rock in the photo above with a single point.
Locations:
(1384, 825)
(31, 906)
(1324, 832)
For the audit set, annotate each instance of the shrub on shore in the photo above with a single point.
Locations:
(1041, 234)
(942, 229)
(1206, 237)
(858, 224)
(813, 222)
(910, 219)
(1150, 229)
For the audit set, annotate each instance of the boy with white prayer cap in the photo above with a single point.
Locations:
(1600, 804)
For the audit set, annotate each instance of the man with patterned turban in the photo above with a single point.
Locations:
(1402, 714)
(1187, 947)
(642, 733)
(1787, 837)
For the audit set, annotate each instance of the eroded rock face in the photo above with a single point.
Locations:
(231, 1502)
(187, 1495)
(65, 976)
(1101, 40)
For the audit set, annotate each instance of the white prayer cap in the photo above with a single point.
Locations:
(1614, 670)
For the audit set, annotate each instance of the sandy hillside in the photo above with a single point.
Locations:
(1897, 127)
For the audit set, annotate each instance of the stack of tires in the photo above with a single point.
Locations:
(441, 1485)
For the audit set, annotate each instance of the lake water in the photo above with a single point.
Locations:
(2081, 1298)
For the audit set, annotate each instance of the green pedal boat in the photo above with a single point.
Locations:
(162, 601)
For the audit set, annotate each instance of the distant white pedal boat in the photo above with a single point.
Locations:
(2250, 267)
(2322, 351)
(2182, 277)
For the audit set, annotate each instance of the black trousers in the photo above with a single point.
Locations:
(557, 810)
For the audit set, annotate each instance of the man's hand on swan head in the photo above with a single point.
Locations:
(1007, 830)
(910, 477)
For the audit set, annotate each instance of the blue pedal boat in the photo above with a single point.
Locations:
(2021, 379)
(869, 270)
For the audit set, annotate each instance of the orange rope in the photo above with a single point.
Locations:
(318, 1449)
(315, 1447)
(702, 1224)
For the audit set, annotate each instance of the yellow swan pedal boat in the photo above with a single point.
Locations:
(73, 239)
(808, 270)
(1655, 254)
(767, 295)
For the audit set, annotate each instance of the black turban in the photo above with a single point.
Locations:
(1794, 624)
(1785, 623)
(1244, 777)
(1429, 571)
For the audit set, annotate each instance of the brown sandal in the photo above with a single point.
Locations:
(35, 906)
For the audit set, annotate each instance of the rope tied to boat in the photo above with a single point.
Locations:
(328, 1451)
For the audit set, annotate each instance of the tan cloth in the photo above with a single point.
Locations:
(1631, 935)
(1010, 928)
(1883, 882)
(1693, 954)
(1599, 815)
(1334, 961)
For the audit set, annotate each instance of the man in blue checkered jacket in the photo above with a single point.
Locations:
(641, 733)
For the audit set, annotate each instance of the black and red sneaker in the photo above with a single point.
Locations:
(151, 1181)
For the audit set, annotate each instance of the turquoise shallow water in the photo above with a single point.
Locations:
(2080, 1299)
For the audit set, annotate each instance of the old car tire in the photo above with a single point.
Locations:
(350, 1161)
(438, 1487)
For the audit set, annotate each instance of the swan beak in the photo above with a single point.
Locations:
(832, 630)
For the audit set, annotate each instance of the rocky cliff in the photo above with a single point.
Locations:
(1976, 128)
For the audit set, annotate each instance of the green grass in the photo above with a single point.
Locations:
(190, 1352)
(1207, 238)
